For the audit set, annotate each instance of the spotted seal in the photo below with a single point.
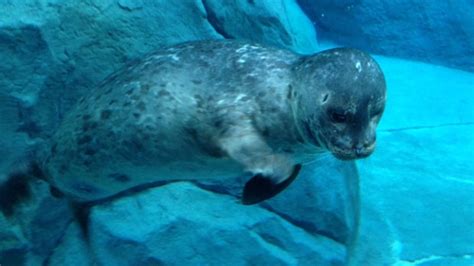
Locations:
(215, 109)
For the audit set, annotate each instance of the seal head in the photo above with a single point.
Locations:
(339, 100)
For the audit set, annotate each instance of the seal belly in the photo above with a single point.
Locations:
(112, 144)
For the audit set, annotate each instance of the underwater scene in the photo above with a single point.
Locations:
(237, 132)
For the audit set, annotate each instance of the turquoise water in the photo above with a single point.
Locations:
(410, 203)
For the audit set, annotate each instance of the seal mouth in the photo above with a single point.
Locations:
(352, 154)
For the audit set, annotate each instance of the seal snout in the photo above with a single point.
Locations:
(357, 151)
(364, 150)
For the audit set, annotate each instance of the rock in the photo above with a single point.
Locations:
(428, 180)
(419, 180)
(54, 52)
(33, 232)
(281, 23)
(431, 31)
(430, 96)
(324, 199)
(376, 243)
(13, 244)
(181, 224)
(467, 260)
(72, 250)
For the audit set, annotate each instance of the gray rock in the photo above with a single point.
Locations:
(423, 95)
(35, 229)
(13, 244)
(324, 199)
(422, 185)
(54, 51)
(419, 180)
(432, 31)
(72, 250)
(281, 23)
(181, 224)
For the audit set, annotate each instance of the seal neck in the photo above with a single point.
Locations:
(298, 125)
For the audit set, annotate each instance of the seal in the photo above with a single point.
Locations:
(216, 109)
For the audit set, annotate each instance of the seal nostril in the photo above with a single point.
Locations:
(359, 149)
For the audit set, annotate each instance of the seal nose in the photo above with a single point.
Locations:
(360, 148)
(359, 151)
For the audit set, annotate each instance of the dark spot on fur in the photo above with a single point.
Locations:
(84, 139)
(129, 92)
(109, 90)
(90, 150)
(163, 93)
(54, 148)
(62, 168)
(218, 123)
(105, 114)
(141, 106)
(137, 115)
(82, 100)
(149, 127)
(145, 88)
(204, 64)
(163, 85)
(86, 117)
(290, 92)
(112, 102)
(85, 188)
(261, 94)
(89, 125)
(252, 2)
(126, 104)
(122, 178)
(273, 109)
(196, 81)
(265, 132)
(134, 143)
(199, 101)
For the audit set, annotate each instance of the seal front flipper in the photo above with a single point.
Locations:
(260, 188)
(273, 171)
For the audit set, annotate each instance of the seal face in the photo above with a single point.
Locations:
(216, 109)
(341, 101)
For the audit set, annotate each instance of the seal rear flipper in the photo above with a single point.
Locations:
(16, 188)
(13, 191)
(260, 188)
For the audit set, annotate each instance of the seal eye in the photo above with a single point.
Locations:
(338, 117)
(377, 113)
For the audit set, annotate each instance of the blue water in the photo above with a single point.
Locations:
(409, 203)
